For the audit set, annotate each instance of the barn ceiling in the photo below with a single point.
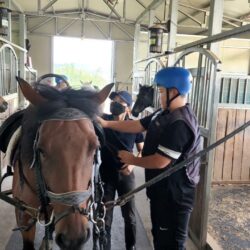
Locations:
(193, 15)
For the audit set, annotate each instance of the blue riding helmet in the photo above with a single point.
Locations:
(124, 95)
(174, 77)
(59, 79)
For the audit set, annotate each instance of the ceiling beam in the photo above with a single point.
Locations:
(124, 30)
(40, 24)
(124, 10)
(140, 2)
(100, 30)
(77, 14)
(230, 23)
(152, 6)
(48, 5)
(17, 6)
(191, 17)
(245, 16)
(112, 8)
(66, 27)
(197, 11)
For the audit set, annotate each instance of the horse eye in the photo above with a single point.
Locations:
(92, 147)
(41, 152)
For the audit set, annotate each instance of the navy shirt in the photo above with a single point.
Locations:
(115, 141)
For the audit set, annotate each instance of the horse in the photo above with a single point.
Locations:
(54, 161)
(3, 105)
(145, 98)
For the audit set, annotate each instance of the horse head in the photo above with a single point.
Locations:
(144, 99)
(64, 145)
(3, 105)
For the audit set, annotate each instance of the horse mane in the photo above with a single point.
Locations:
(83, 99)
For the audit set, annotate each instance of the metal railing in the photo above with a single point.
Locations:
(8, 70)
(234, 89)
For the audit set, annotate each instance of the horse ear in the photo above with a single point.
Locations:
(29, 93)
(140, 85)
(103, 94)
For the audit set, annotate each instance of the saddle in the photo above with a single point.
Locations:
(8, 128)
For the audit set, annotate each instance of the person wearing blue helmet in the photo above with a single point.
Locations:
(61, 82)
(172, 136)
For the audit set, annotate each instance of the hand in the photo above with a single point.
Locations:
(101, 121)
(127, 169)
(126, 157)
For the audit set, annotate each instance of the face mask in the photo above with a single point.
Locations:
(116, 108)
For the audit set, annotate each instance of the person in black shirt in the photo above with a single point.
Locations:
(115, 175)
(172, 136)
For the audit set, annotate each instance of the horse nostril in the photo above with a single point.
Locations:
(72, 244)
(62, 241)
(87, 235)
(5, 103)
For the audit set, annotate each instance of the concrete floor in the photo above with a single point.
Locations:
(7, 215)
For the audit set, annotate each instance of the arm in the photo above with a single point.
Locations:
(127, 169)
(127, 126)
(155, 161)
(139, 147)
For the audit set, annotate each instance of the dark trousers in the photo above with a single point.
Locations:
(122, 185)
(170, 213)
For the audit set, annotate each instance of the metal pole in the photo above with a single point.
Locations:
(215, 27)
(173, 16)
(22, 56)
(8, 4)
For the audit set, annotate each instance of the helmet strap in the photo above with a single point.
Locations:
(170, 100)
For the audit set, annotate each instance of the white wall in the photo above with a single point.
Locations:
(41, 54)
(123, 61)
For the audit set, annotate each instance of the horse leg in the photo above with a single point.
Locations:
(28, 239)
(28, 236)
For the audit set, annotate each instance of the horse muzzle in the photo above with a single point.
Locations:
(67, 243)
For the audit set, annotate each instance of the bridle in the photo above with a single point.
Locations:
(72, 199)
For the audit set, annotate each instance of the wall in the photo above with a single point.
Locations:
(41, 54)
(123, 62)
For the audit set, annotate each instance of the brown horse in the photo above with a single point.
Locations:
(55, 160)
(3, 105)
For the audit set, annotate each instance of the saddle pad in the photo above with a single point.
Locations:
(9, 126)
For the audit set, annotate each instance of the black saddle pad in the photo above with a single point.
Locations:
(8, 128)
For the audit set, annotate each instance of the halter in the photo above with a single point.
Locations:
(71, 199)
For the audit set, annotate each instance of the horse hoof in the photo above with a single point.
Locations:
(43, 246)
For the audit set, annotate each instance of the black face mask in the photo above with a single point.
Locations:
(116, 108)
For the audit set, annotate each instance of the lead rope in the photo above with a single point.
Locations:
(122, 200)
(97, 208)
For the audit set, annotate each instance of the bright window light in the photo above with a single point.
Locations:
(83, 61)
